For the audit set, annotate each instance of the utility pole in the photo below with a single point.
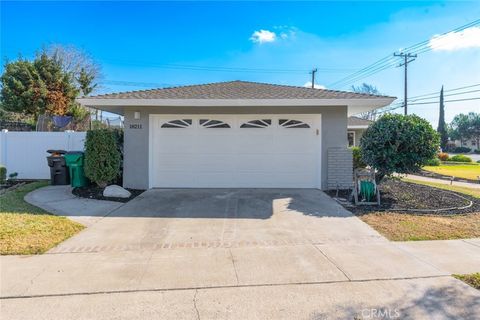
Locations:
(313, 77)
(407, 58)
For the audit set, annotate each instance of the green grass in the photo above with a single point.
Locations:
(471, 279)
(466, 171)
(465, 190)
(26, 229)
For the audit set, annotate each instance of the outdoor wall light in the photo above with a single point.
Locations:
(136, 115)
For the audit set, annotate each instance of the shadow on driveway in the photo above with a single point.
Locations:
(230, 203)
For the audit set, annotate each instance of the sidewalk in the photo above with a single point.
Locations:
(446, 182)
(454, 256)
(60, 200)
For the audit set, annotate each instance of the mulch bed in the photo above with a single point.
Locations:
(396, 194)
(95, 192)
(429, 174)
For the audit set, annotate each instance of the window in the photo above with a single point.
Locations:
(292, 123)
(183, 123)
(264, 123)
(206, 123)
(351, 138)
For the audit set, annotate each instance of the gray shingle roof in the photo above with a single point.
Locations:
(355, 121)
(237, 90)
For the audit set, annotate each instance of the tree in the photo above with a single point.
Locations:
(398, 144)
(102, 156)
(36, 87)
(461, 127)
(370, 89)
(442, 127)
(475, 124)
(79, 64)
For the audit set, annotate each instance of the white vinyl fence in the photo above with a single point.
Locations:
(26, 152)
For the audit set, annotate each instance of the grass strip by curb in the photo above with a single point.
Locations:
(470, 279)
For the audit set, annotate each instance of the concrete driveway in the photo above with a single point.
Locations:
(237, 254)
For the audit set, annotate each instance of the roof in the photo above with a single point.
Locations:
(237, 90)
(236, 95)
(358, 122)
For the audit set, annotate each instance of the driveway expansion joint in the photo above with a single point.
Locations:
(218, 287)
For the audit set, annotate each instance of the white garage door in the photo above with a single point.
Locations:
(237, 151)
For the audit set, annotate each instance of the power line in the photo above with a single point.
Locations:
(387, 62)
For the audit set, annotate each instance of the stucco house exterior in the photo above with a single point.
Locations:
(356, 127)
(236, 135)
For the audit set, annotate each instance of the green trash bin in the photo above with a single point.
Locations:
(74, 160)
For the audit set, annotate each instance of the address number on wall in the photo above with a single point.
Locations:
(135, 126)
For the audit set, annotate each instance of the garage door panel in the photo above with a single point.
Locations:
(268, 157)
(214, 162)
(253, 162)
(173, 144)
(175, 178)
(255, 143)
(214, 144)
(294, 163)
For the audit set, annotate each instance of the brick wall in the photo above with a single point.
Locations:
(340, 168)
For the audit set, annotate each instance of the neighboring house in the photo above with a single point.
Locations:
(356, 128)
(469, 143)
(236, 135)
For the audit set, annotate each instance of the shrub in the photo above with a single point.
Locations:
(357, 158)
(435, 162)
(398, 143)
(102, 157)
(461, 150)
(478, 161)
(443, 156)
(477, 151)
(3, 174)
(460, 158)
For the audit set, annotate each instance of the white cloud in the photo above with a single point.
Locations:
(263, 36)
(317, 86)
(467, 38)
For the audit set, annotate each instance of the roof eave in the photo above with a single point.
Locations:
(355, 106)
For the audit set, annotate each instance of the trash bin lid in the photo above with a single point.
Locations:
(73, 156)
(53, 151)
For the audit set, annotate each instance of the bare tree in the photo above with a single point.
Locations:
(83, 69)
(370, 89)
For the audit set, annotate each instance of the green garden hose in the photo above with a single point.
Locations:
(367, 190)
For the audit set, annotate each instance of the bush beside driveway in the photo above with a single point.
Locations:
(26, 229)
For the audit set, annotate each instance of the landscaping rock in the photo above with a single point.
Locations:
(115, 191)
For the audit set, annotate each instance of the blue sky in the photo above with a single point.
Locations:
(147, 44)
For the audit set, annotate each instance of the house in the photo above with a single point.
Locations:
(356, 127)
(236, 135)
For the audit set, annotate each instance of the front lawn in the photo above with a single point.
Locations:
(471, 279)
(408, 227)
(465, 171)
(412, 227)
(26, 229)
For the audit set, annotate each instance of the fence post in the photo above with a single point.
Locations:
(3, 146)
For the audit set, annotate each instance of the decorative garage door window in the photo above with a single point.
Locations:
(207, 123)
(264, 123)
(286, 123)
(181, 123)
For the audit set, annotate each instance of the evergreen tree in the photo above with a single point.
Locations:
(442, 127)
